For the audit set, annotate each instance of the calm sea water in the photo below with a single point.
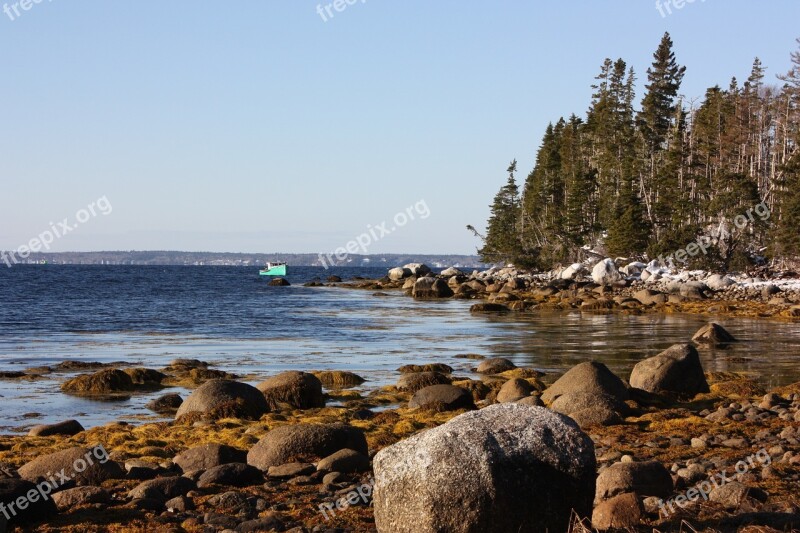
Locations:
(231, 318)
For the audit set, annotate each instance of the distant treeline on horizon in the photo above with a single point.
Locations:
(167, 258)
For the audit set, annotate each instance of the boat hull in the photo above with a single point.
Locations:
(279, 270)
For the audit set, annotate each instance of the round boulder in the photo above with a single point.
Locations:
(105, 381)
(647, 479)
(450, 272)
(68, 427)
(232, 475)
(166, 404)
(162, 488)
(419, 380)
(339, 379)
(208, 456)
(513, 390)
(67, 499)
(589, 377)
(507, 467)
(145, 376)
(620, 512)
(81, 466)
(11, 491)
(220, 398)
(489, 308)
(299, 390)
(605, 272)
(442, 398)
(398, 273)
(713, 334)
(495, 365)
(345, 461)
(304, 443)
(431, 288)
(719, 282)
(417, 269)
(430, 367)
(676, 370)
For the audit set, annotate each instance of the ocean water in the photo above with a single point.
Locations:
(231, 318)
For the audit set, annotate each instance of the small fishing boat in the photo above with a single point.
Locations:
(273, 269)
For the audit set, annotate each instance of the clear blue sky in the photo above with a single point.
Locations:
(256, 126)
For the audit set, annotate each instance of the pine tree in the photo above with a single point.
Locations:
(787, 229)
(502, 243)
(654, 121)
(658, 106)
(656, 179)
(580, 204)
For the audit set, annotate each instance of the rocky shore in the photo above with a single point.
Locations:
(667, 446)
(605, 287)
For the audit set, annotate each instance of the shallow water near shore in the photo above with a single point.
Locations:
(227, 316)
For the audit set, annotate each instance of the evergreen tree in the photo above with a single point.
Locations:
(787, 228)
(658, 106)
(654, 122)
(502, 243)
(786, 235)
(656, 179)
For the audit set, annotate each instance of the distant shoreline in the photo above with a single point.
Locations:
(178, 258)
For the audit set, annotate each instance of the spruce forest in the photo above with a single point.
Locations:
(642, 178)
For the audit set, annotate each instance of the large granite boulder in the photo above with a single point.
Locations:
(513, 390)
(398, 273)
(589, 377)
(162, 488)
(419, 380)
(605, 272)
(590, 394)
(79, 465)
(719, 282)
(11, 491)
(417, 269)
(714, 335)
(495, 365)
(106, 381)
(646, 479)
(221, 398)
(431, 288)
(231, 475)
(442, 398)
(506, 468)
(676, 370)
(339, 379)
(299, 390)
(67, 427)
(304, 443)
(75, 497)
(208, 456)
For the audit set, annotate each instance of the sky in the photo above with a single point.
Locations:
(289, 126)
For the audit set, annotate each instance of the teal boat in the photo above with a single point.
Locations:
(274, 269)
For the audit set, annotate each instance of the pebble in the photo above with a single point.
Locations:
(698, 443)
